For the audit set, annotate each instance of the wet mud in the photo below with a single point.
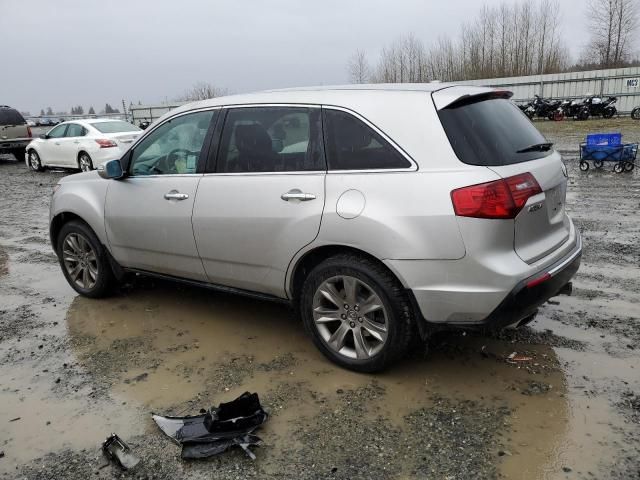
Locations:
(555, 400)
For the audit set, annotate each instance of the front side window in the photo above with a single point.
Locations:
(57, 132)
(75, 130)
(173, 148)
(353, 145)
(271, 139)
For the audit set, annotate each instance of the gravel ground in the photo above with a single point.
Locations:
(556, 399)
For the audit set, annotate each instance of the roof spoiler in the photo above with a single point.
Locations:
(459, 95)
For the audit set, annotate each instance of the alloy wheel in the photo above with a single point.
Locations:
(350, 317)
(80, 261)
(34, 161)
(85, 163)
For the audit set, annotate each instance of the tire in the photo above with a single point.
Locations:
(34, 161)
(609, 112)
(584, 166)
(618, 167)
(19, 153)
(629, 166)
(77, 245)
(385, 332)
(558, 116)
(583, 114)
(635, 113)
(598, 163)
(85, 163)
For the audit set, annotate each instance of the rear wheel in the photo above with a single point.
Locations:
(609, 112)
(584, 166)
(558, 116)
(84, 260)
(34, 161)
(84, 162)
(598, 163)
(635, 113)
(618, 167)
(583, 114)
(628, 166)
(357, 313)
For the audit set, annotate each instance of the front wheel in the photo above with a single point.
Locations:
(618, 167)
(34, 161)
(598, 163)
(635, 113)
(584, 166)
(84, 162)
(609, 112)
(84, 260)
(357, 313)
(628, 166)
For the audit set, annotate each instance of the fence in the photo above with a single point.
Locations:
(623, 83)
(149, 113)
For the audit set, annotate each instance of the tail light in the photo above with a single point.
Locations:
(106, 143)
(502, 198)
(29, 134)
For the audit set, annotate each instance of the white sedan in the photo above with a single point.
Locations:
(82, 144)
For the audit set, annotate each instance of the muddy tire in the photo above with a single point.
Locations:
(84, 260)
(34, 161)
(584, 166)
(85, 164)
(357, 313)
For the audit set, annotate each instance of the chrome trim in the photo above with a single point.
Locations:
(558, 268)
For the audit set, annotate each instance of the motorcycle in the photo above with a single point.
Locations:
(550, 109)
(601, 107)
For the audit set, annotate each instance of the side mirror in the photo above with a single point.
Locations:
(111, 170)
(43, 136)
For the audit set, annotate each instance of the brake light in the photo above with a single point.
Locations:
(502, 198)
(537, 281)
(29, 131)
(106, 143)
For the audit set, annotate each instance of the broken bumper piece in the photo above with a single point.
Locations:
(218, 429)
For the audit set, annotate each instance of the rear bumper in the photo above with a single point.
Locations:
(14, 143)
(532, 292)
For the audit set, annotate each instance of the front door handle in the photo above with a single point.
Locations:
(174, 195)
(296, 194)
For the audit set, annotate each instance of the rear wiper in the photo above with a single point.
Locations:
(538, 147)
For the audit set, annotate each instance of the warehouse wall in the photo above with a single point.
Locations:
(623, 83)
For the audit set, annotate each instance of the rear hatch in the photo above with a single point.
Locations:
(12, 125)
(487, 130)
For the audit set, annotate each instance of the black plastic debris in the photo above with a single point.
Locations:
(118, 451)
(217, 429)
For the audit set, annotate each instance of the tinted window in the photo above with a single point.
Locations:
(172, 148)
(115, 126)
(490, 132)
(74, 130)
(271, 139)
(353, 145)
(9, 116)
(57, 132)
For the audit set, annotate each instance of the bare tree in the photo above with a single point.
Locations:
(612, 24)
(201, 91)
(359, 69)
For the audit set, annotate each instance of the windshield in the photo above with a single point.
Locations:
(115, 126)
(491, 132)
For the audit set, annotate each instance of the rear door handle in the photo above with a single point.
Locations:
(174, 195)
(296, 194)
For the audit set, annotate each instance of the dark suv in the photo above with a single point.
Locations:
(15, 134)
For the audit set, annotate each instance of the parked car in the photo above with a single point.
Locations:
(380, 212)
(15, 134)
(81, 144)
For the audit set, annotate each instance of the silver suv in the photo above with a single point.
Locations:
(379, 212)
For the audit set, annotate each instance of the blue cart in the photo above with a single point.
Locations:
(608, 147)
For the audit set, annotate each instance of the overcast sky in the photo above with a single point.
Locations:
(61, 53)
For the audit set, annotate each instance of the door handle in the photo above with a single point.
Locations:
(173, 195)
(296, 194)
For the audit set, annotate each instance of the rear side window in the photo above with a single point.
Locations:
(353, 145)
(115, 126)
(491, 132)
(9, 116)
(271, 139)
(75, 130)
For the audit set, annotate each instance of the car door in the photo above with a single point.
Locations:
(69, 145)
(262, 197)
(148, 212)
(49, 148)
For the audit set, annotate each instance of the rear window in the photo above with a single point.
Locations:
(9, 116)
(490, 132)
(115, 126)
